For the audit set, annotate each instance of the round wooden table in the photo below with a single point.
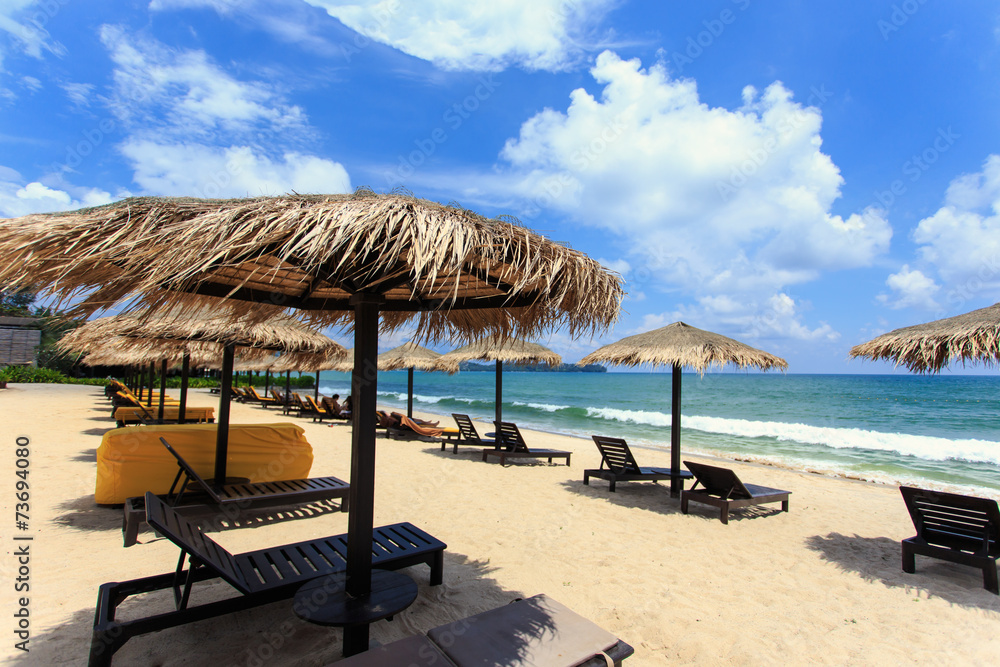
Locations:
(325, 601)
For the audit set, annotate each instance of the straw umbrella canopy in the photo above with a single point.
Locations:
(409, 356)
(680, 345)
(203, 330)
(499, 351)
(970, 338)
(340, 258)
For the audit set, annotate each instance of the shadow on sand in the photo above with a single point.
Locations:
(272, 634)
(877, 559)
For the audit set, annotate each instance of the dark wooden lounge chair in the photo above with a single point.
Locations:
(261, 577)
(956, 528)
(232, 497)
(723, 489)
(621, 465)
(467, 435)
(535, 631)
(513, 446)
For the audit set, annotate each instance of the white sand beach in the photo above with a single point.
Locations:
(820, 584)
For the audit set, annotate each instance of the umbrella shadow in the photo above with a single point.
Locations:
(84, 514)
(877, 559)
(273, 634)
(651, 497)
(86, 456)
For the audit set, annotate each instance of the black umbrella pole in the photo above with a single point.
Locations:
(222, 423)
(316, 388)
(498, 411)
(152, 370)
(364, 391)
(185, 373)
(409, 392)
(675, 433)
(163, 390)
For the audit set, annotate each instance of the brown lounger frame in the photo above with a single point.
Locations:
(622, 467)
(467, 435)
(723, 489)
(232, 497)
(261, 577)
(513, 446)
(956, 528)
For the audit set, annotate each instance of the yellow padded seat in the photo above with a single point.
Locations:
(132, 460)
(130, 415)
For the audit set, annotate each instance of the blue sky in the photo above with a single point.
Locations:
(800, 176)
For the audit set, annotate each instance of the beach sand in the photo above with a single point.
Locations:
(819, 585)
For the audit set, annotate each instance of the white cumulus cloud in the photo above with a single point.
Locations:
(19, 198)
(911, 288)
(533, 34)
(236, 171)
(961, 240)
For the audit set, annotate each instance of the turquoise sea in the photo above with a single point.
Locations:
(943, 430)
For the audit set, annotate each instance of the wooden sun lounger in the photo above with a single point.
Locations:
(232, 497)
(340, 414)
(956, 528)
(251, 394)
(514, 447)
(467, 435)
(622, 467)
(536, 631)
(723, 489)
(261, 577)
(410, 429)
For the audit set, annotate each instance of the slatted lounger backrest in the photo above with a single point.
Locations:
(953, 520)
(722, 482)
(189, 537)
(616, 454)
(466, 428)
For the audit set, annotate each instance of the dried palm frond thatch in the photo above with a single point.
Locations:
(408, 355)
(970, 338)
(492, 349)
(458, 274)
(682, 345)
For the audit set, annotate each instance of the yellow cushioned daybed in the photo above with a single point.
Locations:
(131, 415)
(132, 461)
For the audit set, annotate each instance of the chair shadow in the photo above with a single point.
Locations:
(877, 559)
(272, 633)
(98, 430)
(649, 496)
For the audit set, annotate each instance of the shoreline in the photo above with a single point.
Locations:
(750, 459)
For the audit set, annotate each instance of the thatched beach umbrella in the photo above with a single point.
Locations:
(499, 351)
(679, 345)
(206, 329)
(338, 258)
(970, 338)
(409, 356)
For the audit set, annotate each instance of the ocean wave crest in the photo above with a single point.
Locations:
(927, 447)
(544, 407)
